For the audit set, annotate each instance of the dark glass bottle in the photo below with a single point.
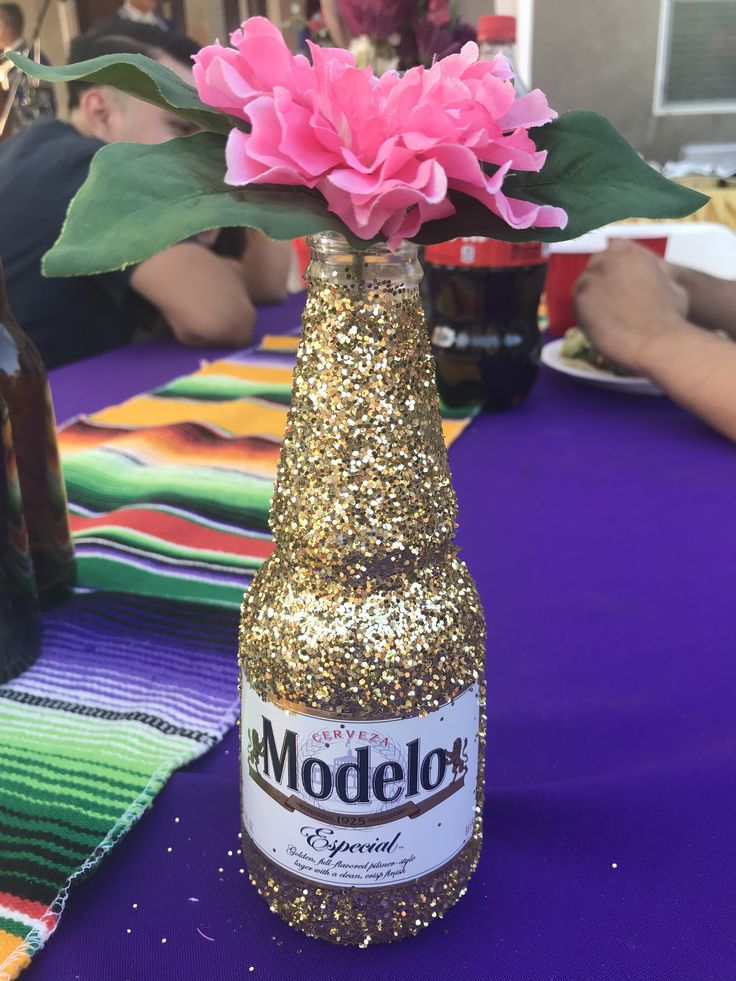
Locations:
(483, 297)
(19, 618)
(25, 390)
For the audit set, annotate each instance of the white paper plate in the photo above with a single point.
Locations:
(596, 377)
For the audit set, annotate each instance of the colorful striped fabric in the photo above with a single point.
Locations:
(126, 690)
(169, 492)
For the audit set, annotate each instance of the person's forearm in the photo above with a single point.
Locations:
(711, 301)
(698, 371)
(264, 267)
(201, 298)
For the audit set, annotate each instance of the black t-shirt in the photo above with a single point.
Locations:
(41, 169)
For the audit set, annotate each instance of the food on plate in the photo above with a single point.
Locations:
(577, 348)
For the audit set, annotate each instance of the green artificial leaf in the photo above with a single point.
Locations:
(140, 199)
(140, 76)
(591, 171)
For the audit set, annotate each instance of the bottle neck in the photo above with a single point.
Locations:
(363, 487)
(489, 49)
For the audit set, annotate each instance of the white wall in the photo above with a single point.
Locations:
(602, 55)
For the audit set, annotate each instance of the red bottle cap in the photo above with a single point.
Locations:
(497, 27)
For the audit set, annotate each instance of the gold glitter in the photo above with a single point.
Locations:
(364, 610)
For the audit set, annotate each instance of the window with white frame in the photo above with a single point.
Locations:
(696, 57)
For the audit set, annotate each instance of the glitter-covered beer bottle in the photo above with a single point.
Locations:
(362, 637)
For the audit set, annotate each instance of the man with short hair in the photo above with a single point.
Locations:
(206, 299)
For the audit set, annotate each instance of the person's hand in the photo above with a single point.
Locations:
(625, 300)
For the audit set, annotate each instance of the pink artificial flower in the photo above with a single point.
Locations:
(383, 152)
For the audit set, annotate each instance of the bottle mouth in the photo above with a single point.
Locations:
(335, 244)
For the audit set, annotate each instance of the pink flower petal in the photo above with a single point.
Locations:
(298, 142)
(530, 110)
(243, 169)
(517, 149)
(383, 152)
(219, 81)
(262, 49)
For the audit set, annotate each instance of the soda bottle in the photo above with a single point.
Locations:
(483, 297)
(496, 34)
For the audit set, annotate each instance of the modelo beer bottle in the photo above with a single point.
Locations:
(483, 298)
(19, 617)
(25, 389)
(362, 637)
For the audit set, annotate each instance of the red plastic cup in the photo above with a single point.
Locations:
(567, 263)
(657, 243)
(302, 255)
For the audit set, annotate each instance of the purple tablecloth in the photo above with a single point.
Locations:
(600, 530)
(110, 378)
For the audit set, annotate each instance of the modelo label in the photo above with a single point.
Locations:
(359, 803)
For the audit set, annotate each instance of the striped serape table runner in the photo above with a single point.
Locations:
(169, 492)
(168, 495)
(126, 690)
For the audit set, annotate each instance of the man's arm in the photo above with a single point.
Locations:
(633, 312)
(698, 371)
(202, 298)
(265, 266)
(711, 301)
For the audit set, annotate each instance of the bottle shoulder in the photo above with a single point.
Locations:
(18, 354)
(399, 646)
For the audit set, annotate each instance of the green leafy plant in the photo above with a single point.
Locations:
(591, 172)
